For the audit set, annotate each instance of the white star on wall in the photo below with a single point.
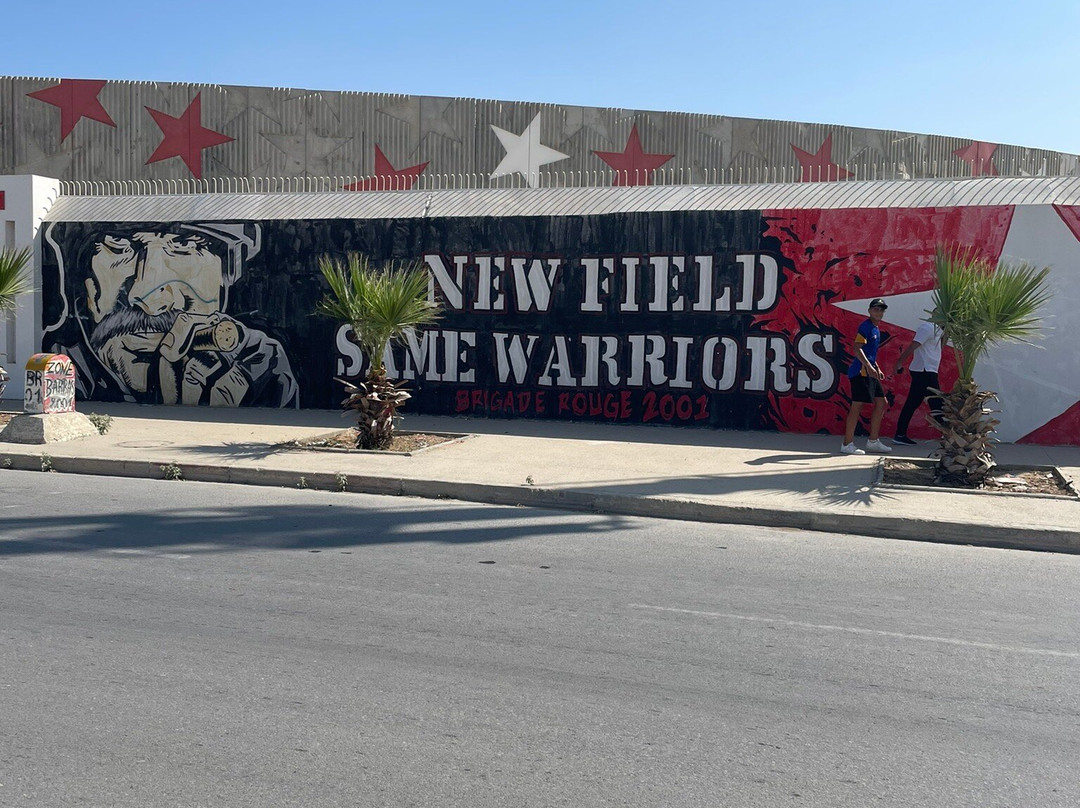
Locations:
(1036, 383)
(906, 310)
(1039, 382)
(524, 153)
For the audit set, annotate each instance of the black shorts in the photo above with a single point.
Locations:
(866, 388)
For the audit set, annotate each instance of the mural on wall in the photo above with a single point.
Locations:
(144, 311)
(727, 319)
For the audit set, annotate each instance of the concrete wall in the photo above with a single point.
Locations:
(24, 202)
(736, 319)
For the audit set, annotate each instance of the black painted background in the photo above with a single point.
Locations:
(281, 286)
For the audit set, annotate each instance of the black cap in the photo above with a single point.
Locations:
(876, 302)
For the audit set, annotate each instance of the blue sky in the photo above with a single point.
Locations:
(994, 71)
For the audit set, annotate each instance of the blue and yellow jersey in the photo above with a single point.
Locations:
(868, 337)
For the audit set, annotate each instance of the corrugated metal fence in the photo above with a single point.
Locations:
(314, 138)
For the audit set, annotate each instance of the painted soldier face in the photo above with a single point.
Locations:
(157, 273)
(137, 287)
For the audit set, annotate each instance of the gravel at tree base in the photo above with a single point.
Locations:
(1019, 480)
(346, 440)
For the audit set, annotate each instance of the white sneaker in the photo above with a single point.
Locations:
(878, 447)
(851, 448)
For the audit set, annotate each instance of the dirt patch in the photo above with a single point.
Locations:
(5, 417)
(1014, 479)
(345, 441)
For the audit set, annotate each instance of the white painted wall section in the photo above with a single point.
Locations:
(26, 201)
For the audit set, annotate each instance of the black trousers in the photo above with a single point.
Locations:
(921, 381)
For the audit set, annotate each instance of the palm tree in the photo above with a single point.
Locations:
(14, 277)
(978, 305)
(381, 304)
(14, 280)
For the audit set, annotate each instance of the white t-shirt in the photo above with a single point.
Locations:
(927, 356)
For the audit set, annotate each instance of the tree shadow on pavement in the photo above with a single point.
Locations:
(865, 495)
(251, 450)
(770, 488)
(800, 458)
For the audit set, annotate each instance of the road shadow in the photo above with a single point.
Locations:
(330, 521)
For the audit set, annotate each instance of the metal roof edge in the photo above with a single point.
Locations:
(503, 202)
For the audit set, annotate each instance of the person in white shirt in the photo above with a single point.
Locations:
(925, 353)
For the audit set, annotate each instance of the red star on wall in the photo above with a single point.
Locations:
(77, 99)
(388, 178)
(185, 137)
(819, 167)
(632, 165)
(980, 156)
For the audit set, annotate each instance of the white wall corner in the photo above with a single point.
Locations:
(27, 200)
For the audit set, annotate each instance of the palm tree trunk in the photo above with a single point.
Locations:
(965, 452)
(376, 403)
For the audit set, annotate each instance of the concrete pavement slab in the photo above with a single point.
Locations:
(768, 479)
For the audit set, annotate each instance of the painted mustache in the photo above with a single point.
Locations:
(130, 321)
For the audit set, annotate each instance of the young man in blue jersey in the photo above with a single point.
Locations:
(866, 388)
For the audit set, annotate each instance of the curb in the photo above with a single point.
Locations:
(1062, 540)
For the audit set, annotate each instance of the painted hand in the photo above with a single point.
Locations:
(198, 355)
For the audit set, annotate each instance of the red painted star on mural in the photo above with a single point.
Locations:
(77, 99)
(388, 178)
(185, 137)
(632, 165)
(980, 156)
(819, 167)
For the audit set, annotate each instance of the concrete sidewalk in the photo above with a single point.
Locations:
(749, 478)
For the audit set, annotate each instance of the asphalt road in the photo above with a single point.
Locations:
(186, 644)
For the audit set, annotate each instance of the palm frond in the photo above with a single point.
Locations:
(15, 276)
(979, 305)
(380, 303)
